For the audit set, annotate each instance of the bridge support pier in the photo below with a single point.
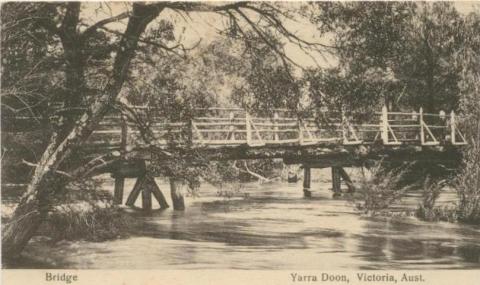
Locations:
(146, 196)
(177, 197)
(306, 182)
(118, 190)
(336, 181)
(147, 186)
(346, 178)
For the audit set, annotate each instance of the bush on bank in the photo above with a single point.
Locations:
(86, 213)
(379, 188)
(467, 185)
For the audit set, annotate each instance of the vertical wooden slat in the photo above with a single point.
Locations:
(232, 127)
(384, 125)
(124, 134)
(452, 127)
(300, 131)
(120, 181)
(248, 127)
(275, 128)
(422, 128)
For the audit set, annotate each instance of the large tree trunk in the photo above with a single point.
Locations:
(46, 181)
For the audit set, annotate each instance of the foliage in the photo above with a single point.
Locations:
(427, 210)
(445, 213)
(84, 211)
(84, 221)
(379, 188)
(266, 83)
(401, 54)
(467, 182)
(468, 185)
(30, 67)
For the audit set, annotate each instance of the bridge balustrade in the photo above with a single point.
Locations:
(234, 126)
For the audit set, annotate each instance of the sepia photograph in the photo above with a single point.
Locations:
(267, 135)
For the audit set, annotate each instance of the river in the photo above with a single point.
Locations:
(270, 226)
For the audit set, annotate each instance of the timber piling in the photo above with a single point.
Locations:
(306, 182)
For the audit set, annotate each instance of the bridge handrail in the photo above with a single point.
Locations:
(388, 127)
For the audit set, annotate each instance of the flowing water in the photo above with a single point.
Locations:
(270, 226)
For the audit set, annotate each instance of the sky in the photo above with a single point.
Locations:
(204, 26)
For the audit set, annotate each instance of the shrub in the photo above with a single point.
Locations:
(84, 211)
(86, 221)
(379, 189)
(468, 185)
(427, 210)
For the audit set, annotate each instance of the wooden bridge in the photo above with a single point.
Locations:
(320, 139)
(316, 140)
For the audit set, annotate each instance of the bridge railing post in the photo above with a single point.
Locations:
(124, 134)
(120, 181)
(191, 126)
(300, 131)
(232, 127)
(275, 127)
(248, 127)
(384, 125)
(452, 127)
(422, 126)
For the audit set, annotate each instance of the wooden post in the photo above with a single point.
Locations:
(384, 125)
(146, 195)
(336, 181)
(232, 127)
(346, 178)
(147, 186)
(118, 190)
(275, 127)
(306, 182)
(157, 193)
(248, 127)
(177, 197)
(190, 125)
(422, 128)
(443, 132)
(452, 127)
(135, 192)
(120, 181)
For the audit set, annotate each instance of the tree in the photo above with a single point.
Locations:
(467, 182)
(83, 47)
(402, 53)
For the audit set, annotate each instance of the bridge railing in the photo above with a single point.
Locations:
(233, 126)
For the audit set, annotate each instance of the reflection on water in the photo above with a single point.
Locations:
(275, 228)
